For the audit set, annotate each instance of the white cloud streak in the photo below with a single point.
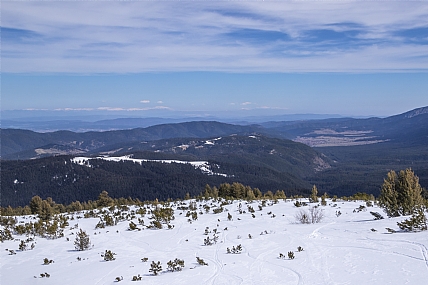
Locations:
(129, 37)
(110, 109)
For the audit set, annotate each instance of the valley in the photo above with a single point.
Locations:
(341, 156)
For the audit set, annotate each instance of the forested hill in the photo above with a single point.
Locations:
(407, 128)
(66, 181)
(24, 144)
(410, 128)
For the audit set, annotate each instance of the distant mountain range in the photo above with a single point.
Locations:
(408, 128)
(340, 155)
(102, 123)
(25, 144)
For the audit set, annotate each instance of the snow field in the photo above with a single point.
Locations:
(339, 250)
(204, 166)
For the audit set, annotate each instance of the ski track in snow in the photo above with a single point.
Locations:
(422, 248)
(318, 253)
(339, 250)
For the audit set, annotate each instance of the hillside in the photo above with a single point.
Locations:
(24, 144)
(277, 154)
(66, 181)
(409, 128)
(347, 156)
(346, 248)
(406, 129)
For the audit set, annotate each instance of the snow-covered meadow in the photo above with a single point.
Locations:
(346, 248)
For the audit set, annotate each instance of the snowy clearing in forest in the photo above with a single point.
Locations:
(204, 166)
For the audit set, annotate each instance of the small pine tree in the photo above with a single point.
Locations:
(176, 265)
(323, 199)
(314, 192)
(82, 241)
(136, 278)
(417, 222)
(201, 261)
(22, 246)
(376, 215)
(235, 250)
(155, 268)
(109, 255)
(104, 200)
(391, 231)
(46, 261)
(290, 255)
(229, 216)
(46, 212)
(133, 226)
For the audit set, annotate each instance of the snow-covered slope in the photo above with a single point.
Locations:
(350, 248)
(204, 166)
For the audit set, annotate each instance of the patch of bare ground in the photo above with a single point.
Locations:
(325, 141)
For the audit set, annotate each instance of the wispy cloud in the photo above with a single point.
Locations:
(281, 36)
(263, 108)
(110, 109)
(145, 101)
(74, 109)
(133, 109)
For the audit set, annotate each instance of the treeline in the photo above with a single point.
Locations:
(46, 208)
(240, 191)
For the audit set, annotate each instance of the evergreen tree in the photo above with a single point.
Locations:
(104, 200)
(215, 192)
(323, 199)
(208, 192)
(201, 261)
(237, 190)
(109, 255)
(75, 207)
(82, 241)
(279, 194)
(401, 194)
(46, 211)
(269, 195)
(7, 211)
(314, 192)
(417, 222)
(257, 193)
(155, 267)
(35, 205)
(250, 195)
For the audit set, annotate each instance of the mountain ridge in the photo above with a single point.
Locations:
(338, 132)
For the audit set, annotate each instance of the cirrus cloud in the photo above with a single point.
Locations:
(281, 36)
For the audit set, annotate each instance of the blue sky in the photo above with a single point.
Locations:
(143, 58)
